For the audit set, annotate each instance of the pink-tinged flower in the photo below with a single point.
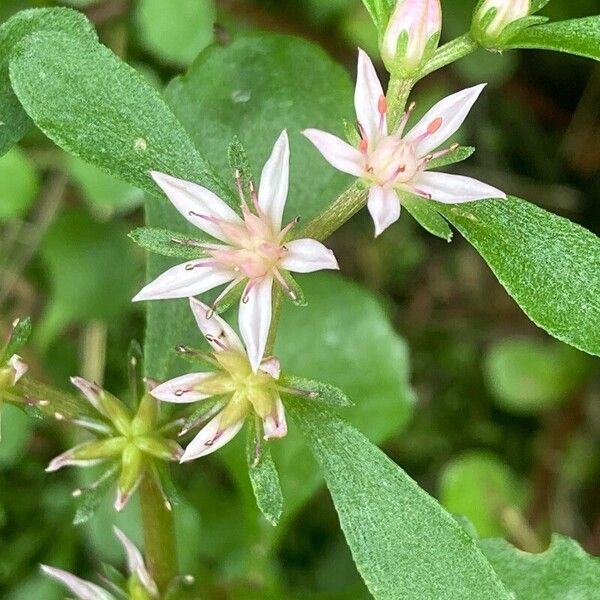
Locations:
(395, 162)
(250, 249)
(492, 17)
(139, 585)
(412, 35)
(243, 390)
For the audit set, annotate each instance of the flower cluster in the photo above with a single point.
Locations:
(250, 248)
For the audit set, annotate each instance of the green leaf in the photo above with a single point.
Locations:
(368, 361)
(404, 543)
(14, 122)
(380, 11)
(316, 391)
(528, 376)
(427, 216)
(548, 264)
(175, 30)
(563, 571)
(19, 184)
(238, 161)
(104, 194)
(95, 106)
(458, 155)
(263, 475)
(18, 338)
(254, 88)
(480, 486)
(576, 36)
(169, 243)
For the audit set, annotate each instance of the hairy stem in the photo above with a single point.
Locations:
(332, 217)
(397, 96)
(449, 53)
(159, 533)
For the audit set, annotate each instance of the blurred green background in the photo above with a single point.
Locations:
(500, 422)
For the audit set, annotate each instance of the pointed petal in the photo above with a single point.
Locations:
(274, 181)
(188, 198)
(66, 459)
(255, 320)
(215, 328)
(271, 366)
(181, 389)
(83, 590)
(384, 207)
(444, 119)
(367, 96)
(274, 424)
(182, 281)
(19, 367)
(210, 439)
(336, 152)
(135, 562)
(307, 256)
(453, 189)
(91, 391)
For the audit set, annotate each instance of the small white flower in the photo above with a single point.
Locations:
(417, 24)
(244, 391)
(86, 590)
(397, 162)
(506, 12)
(252, 249)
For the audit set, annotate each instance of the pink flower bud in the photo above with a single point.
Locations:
(493, 16)
(412, 34)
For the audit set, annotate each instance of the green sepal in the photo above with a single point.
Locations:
(231, 298)
(425, 214)
(454, 156)
(263, 474)
(238, 161)
(162, 476)
(132, 466)
(380, 11)
(298, 297)
(118, 414)
(146, 417)
(18, 338)
(170, 243)
(159, 447)
(314, 391)
(351, 133)
(89, 498)
(113, 576)
(198, 357)
(205, 411)
(99, 449)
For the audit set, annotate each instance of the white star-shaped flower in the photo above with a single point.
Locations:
(397, 162)
(251, 248)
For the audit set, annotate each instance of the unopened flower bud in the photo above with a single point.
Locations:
(492, 17)
(412, 35)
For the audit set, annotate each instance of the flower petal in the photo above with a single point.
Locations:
(210, 439)
(336, 152)
(135, 562)
(180, 390)
(183, 281)
(271, 366)
(19, 367)
(255, 320)
(367, 95)
(443, 120)
(84, 590)
(274, 424)
(307, 256)
(274, 181)
(384, 207)
(453, 189)
(192, 199)
(215, 329)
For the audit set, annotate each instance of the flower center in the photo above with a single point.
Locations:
(391, 161)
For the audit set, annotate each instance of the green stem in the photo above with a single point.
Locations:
(449, 53)
(332, 217)
(159, 533)
(397, 96)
